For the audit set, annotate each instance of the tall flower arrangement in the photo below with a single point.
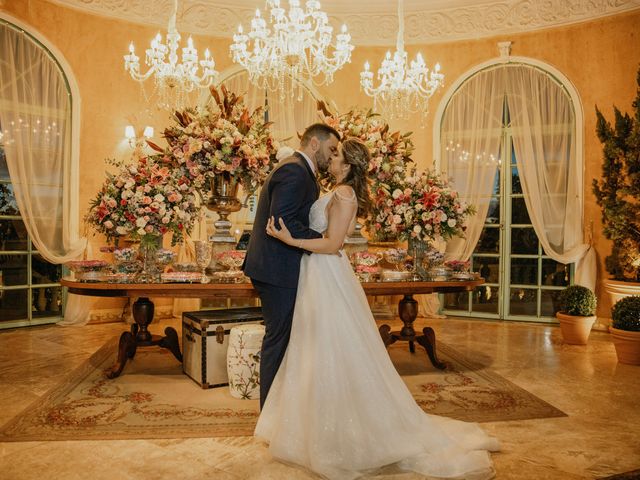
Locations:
(224, 137)
(423, 207)
(145, 198)
(390, 158)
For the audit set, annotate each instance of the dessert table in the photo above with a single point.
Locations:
(142, 309)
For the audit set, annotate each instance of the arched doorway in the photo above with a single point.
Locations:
(509, 137)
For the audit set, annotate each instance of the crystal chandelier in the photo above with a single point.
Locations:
(403, 89)
(294, 47)
(173, 81)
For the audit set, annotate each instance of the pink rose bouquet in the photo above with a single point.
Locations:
(147, 197)
(424, 207)
(390, 156)
(222, 138)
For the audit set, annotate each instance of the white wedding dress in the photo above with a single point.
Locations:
(337, 405)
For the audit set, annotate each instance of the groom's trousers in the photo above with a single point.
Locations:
(277, 310)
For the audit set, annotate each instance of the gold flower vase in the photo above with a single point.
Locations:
(223, 200)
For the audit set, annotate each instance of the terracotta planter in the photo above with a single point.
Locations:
(627, 345)
(575, 329)
(618, 290)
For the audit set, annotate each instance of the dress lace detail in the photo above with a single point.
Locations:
(338, 406)
(318, 220)
(318, 213)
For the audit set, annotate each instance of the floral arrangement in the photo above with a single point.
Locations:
(433, 258)
(222, 138)
(395, 256)
(390, 155)
(165, 257)
(232, 259)
(367, 268)
(366, 259)
(125, 255)
(144, 198)
(458, 265)
(423, 207)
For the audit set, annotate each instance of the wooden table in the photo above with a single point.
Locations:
(142, 310)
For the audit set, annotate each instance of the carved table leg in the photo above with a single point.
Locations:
(408, 311)
(170, 341)
(126, 350)
(385, 333)
(142, 310)
(428, 341)
(139, 336)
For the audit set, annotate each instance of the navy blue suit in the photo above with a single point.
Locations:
(274, 266)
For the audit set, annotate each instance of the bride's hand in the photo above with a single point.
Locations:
(283, 234)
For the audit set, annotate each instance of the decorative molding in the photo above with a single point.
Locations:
(505, 49)
(460, 21)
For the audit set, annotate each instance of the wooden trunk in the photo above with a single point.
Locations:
(205, 339)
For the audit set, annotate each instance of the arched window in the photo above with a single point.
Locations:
(510, 140)
(38, 204)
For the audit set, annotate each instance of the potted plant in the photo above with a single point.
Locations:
(577, 314)
(617, 193)
(625, 329)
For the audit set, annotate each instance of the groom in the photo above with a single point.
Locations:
(273, 266)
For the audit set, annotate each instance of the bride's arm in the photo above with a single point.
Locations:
(341, 211)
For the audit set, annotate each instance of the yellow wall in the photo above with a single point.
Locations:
(600, 58)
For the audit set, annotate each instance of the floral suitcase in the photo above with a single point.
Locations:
(205, 338)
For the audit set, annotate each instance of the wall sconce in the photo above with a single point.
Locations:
(134, 139)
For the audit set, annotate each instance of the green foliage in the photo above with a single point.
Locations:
(626, 314)
(618, 192)
(578, 301)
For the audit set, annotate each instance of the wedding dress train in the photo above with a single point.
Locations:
(338, 406)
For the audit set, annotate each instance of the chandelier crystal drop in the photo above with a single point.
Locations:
(404, 88)
(173, 81)
(291, 47)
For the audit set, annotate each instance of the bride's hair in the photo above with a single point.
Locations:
(357, 154)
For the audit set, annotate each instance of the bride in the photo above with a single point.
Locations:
(337, 405)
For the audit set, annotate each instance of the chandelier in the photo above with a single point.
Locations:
(173, 81)
(403, 89)
(294, 47)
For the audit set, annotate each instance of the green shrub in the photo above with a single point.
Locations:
(578, 301)
(618, 189)
(626, 314)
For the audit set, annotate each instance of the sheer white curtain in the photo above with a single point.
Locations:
(543, 131)
(35, 108)
(470, 139)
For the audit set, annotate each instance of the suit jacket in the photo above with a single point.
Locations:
(288, 192)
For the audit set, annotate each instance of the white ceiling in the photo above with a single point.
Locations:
(371, 22)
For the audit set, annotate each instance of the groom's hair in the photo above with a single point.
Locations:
(321, 131)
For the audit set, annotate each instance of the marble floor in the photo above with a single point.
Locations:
(599, 437)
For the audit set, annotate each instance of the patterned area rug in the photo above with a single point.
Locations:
(154, 399)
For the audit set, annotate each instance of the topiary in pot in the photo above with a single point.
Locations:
(577, 314)
(618, 190)
(625, 329)
(626, 314)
